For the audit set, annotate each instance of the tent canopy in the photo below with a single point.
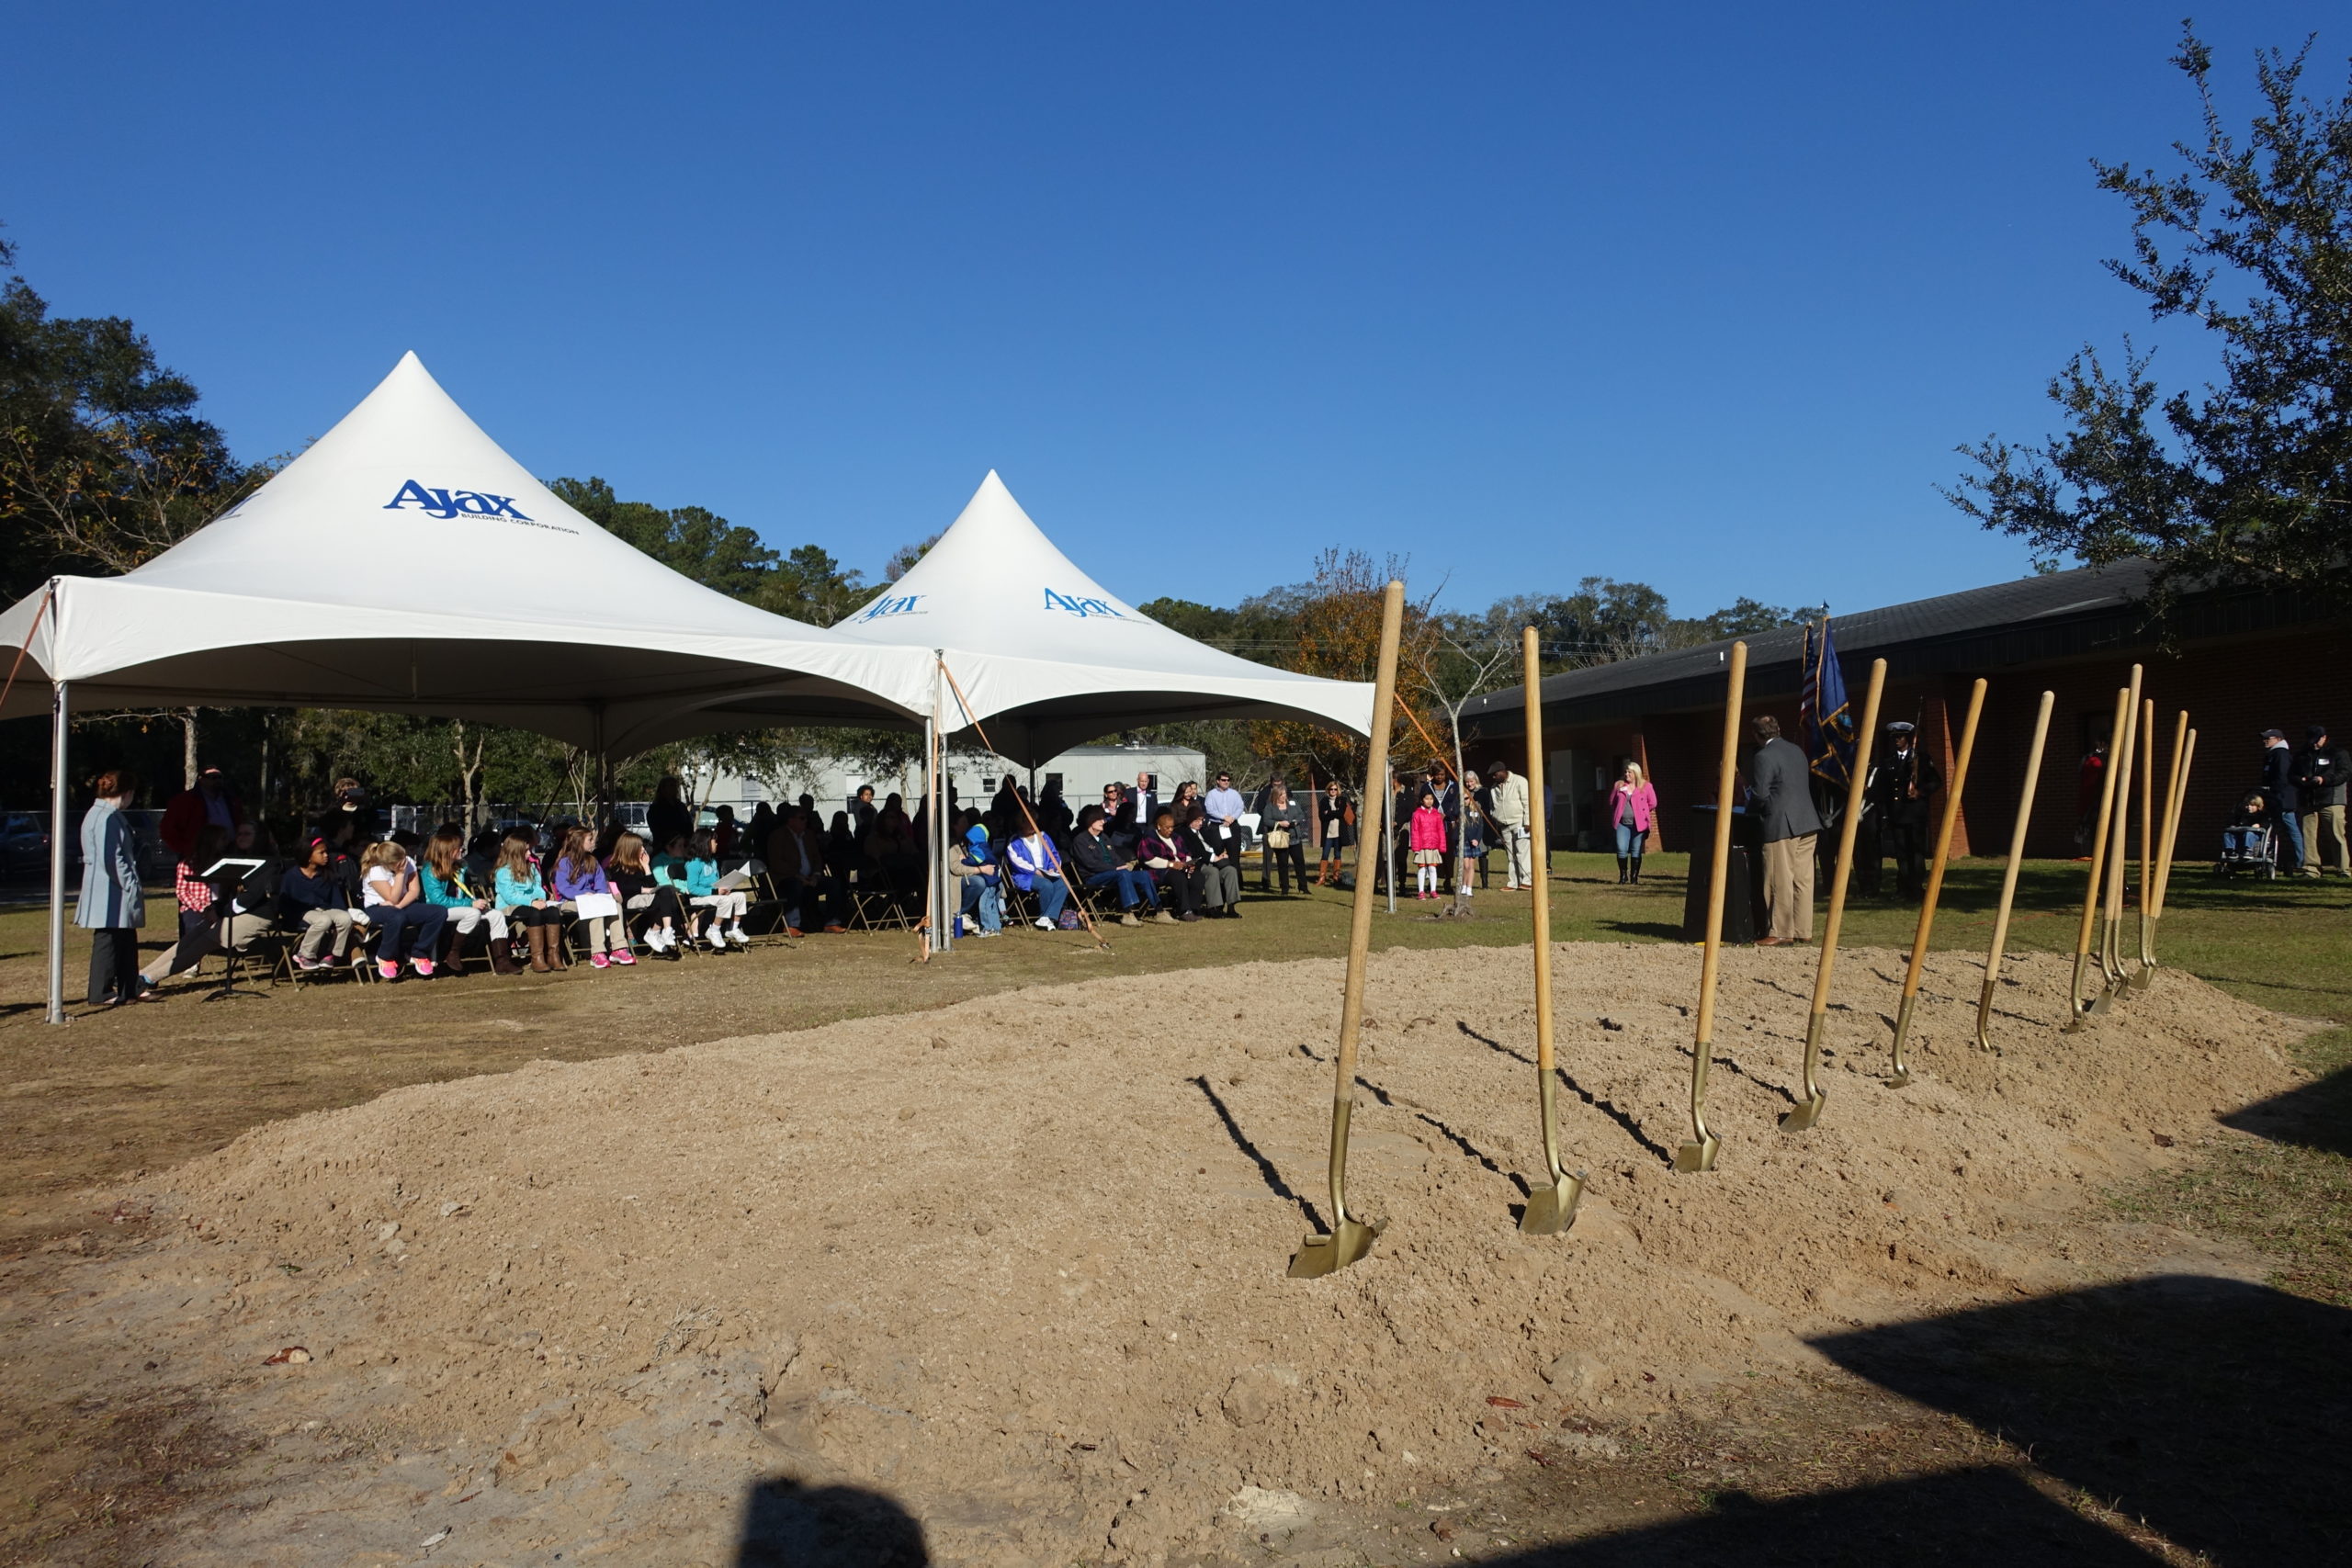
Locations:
(1047, 657)
(405, 563)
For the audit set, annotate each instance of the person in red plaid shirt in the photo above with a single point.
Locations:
(198, 934)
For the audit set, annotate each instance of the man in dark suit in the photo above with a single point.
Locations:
(1902, 782)
(1779, 797)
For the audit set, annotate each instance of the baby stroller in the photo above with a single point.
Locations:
(2249, 847)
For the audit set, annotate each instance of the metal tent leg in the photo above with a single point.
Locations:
(58, 729)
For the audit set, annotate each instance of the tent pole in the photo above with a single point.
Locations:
(59, 727)
(942, 919)
(1388, 826)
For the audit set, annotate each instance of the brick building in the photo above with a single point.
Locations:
(2239, 661)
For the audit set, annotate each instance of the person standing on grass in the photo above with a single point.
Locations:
(1508, 808)
(1902, 785)
(2286, 801)
(113, 906)
(1283, 828)
(1428, 843)
(2319, 773)
(1632, 812)
(1780, 799)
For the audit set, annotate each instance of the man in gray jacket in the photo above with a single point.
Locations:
(1780, 799)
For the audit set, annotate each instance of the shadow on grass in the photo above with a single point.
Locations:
(2318, 1115)
(2210, 1410)
(1650, 930)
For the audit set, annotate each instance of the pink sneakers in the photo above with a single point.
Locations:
(387, 969)
(623, 956)
(423, 967)
(600, 961)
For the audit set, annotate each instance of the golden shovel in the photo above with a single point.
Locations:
(1808, 1109)
(2119, 853)
(1552, 1201)
(2184, 756)
(1899, 1075)
(1700, 1153)
(2009, 876)
(2079, 1005)
(2152, 835)
(1349, 1239)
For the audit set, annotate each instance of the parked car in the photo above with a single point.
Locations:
(24, 843)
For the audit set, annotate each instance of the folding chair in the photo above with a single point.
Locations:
(866, 897)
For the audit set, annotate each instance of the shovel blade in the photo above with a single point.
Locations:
(2143, 977)
(1698, 1157)
(1321, 1255)
(1899, 1079)
(1552, 1209)
(1807, 1112)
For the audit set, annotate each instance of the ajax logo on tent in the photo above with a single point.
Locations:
(446, 504)
(1082, 608)
(900, 604)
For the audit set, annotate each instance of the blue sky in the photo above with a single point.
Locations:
(1701, 297)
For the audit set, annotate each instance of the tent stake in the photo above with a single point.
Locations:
(1809, 1108)
(1700, 1153)
(2009, 876)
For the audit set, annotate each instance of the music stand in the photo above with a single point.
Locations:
(227, 879)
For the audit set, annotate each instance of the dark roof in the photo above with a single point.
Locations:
(2032, 620)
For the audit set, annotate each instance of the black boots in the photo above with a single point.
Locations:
(1625, 871)
(1637, 870)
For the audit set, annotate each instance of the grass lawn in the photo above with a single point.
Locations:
(148, 1087)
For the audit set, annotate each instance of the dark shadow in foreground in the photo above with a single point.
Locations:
(1966, 1516)
(2213, 1409)
(788, 1525)
(2318, 1115)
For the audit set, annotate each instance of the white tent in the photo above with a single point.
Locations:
(405, 563)
(1047, 657)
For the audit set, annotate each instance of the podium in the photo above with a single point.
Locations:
(1743, 888)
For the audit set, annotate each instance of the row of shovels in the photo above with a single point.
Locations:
(1553, 1194)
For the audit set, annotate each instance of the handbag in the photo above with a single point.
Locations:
(1278, 836)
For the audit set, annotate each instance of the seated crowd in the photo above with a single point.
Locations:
(345, 894)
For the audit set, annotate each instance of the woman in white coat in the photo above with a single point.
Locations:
(112, 907)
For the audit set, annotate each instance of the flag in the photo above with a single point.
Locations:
(1827, 717)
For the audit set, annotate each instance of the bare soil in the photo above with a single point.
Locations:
(1003, 1282)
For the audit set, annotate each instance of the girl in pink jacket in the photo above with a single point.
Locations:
(1428, 844)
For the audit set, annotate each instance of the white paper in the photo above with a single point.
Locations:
(598, 905)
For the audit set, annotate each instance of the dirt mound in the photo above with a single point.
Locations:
(1017, 1265)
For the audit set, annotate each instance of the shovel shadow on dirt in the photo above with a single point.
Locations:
(1964, 1517)
(1266, 1168)
(1468, 1148)
(2318, 1115)
(789, 1524)
(1625, 1119)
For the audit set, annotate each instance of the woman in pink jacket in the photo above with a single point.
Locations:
(1428, 844)
(1632, 812)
